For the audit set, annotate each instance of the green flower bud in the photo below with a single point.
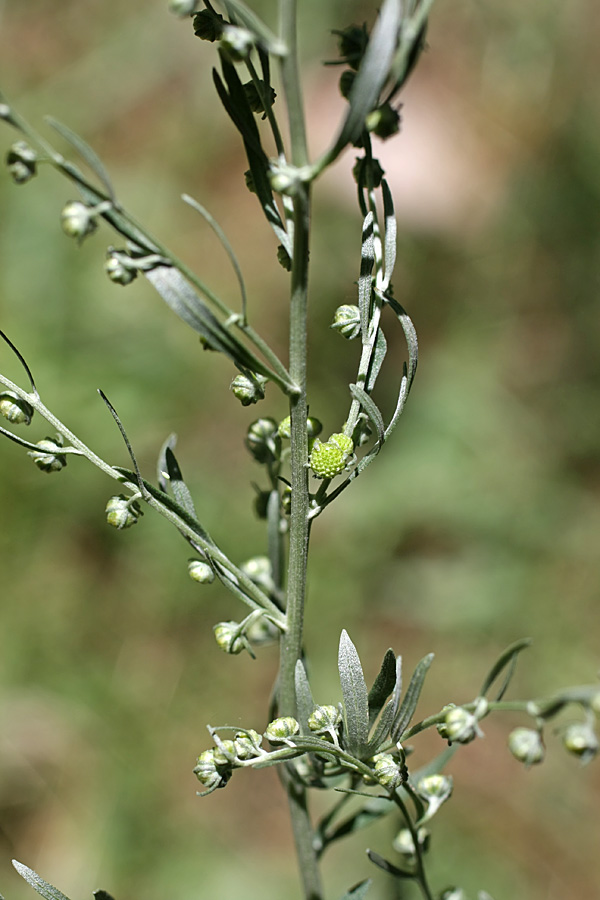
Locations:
(367, 171)
(352, 44)
(283, 258)
(383, 121)
(461, 726)
(435, 790)
(208, 25)
(248, 388)
(386, 770)
(250, 185)
(77, 220)
(325, 721)
(331, 458)
(248, 744)
(259, 570)
(15, 409)
(286, 499)
(284, 429)
(580, 740)
(346, 81)
(220, 753)
(121, 512)
(404, 844)
(255, 100)
(262, 440)
(227, 636)
(48, 458)
(118, 267)
(208, 773)
(21, 160)
(238, 42)
(442, 728)
(280, 730)
(182, 8)
(201, 571)
(286, 178)
(313, 427)
(262, 631)
(346, 320)
(526, 745)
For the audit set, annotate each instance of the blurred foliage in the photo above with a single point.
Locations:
(480, 524)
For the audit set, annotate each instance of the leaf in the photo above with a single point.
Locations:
(180, 296)
(180, 489)
(382, 686)
(367, 260)
(372, 74)
(411, 698)
(225, 243)
(508, 660)
(383, 728)
(398, 686)
(358, 891)
(372, 811)
(304, 698)
(86, 152)
(376, 360)
(238, 10)
(354, 692)
(391, 230)
(371, 408)
(22, 360)
(121, 428)
(103, 895)
(161, 463)
(37, 883)
(388, 867)
(410, 334)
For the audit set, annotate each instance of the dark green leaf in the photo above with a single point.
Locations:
(354, 692)
(161, 464)
(373, 810)
(376, 360)
(121, 428)
(371, 409)
(86, 152)
(180, 489)
(382, 686)
(22, 360)
(411, 698)
(46, 890)
(358, 891)
(388, 867)
(367, 260)
(103, 895)
(304, 698)
(508, 661)
(382, 731)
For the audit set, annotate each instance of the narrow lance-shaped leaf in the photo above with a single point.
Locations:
(367, 260)
(359, 891)
(46, 890)
(388, 867)
(411, 698)
(383, 728)
(180, 489)
(121, 428)
(162, 473)
(379, 352)
(371, 409)
(390, 238)
(410, 334)
(354, 692)
(86, 152)
(304, 698)
(382, 686)
(507, 660)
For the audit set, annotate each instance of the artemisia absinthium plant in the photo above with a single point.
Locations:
(361, 745)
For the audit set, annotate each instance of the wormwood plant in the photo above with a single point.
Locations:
(358, 750)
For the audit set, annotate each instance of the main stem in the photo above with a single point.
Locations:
(291, 641)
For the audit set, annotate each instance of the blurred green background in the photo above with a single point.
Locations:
(479, 524)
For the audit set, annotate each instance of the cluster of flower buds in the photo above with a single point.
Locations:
(331, 458)
(326, 722)
(15, 409)
(21, 161)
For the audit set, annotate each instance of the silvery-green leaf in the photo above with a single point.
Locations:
(383, 727)
(358, 891)
(391, 230)
(379, 352)
(180, 489)
(304, 698)
(382, 686)
(508, 661)
(388, 866)
(356, 702)
(86, 152)
(237, 10)
(411, 698)
(410, 335)
(398, 686)
(367, 260)
(371, 409)
(46, 890)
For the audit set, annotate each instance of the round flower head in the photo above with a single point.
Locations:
(331, 458)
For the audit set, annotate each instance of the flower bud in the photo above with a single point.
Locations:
(201, 571)
(228, 638)
(346, 81)
(280, 730)
(286, 178)
(248, 178)
(248, 388)
(77, 220)
(404, 844)
(21, 160)
(331, 458)
(366, 171)
(15, 409)
(255, 99)
(286, 499)
(346, 320)
(182, 8)
(262, 631)
(461, 726)
(580, 740)
(48, 458)
(259, 570)
(383, 121)
(325, 721)
(262, 440)
(248, 744)
(526, 745)
(208, 773)
(352, 43)
(283, 258)
(208, 25)
(238, 42)
(434, 790)
(386, 770)
(121, 512)
(222, 753)
(118, 267)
